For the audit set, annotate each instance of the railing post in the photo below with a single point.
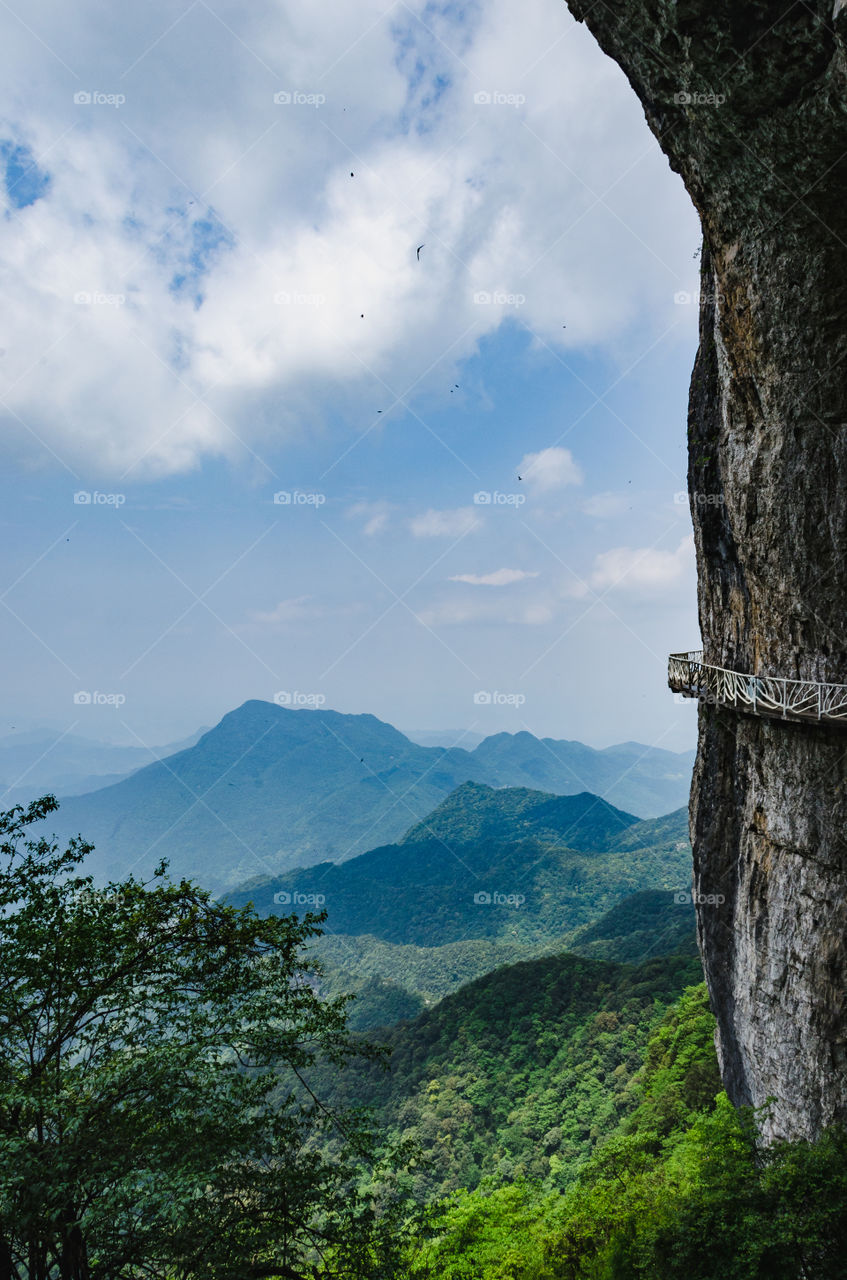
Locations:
(784, 698)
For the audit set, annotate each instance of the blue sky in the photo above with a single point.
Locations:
(214, 295)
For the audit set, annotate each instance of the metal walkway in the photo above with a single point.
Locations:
(757, 695)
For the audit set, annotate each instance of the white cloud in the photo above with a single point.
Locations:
(376, 516)
(296, 609)
(499, 578)
(445, 524)
(562, 196)
(643, 569)
(549, 469)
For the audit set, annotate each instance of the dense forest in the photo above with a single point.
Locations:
(182, 1096)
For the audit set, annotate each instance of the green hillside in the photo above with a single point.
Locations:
(269, 789)
(428, 890)
(392, 982)
(521, 1073)
(475, 812)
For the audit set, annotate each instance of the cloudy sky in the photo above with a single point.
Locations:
(343, 356)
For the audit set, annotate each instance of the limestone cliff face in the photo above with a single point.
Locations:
(749, 101)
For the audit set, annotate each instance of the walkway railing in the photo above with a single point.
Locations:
(761, 695)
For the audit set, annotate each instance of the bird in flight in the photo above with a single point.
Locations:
(420, 246)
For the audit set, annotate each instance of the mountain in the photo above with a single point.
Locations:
(475, 812)
(395, 981)
(645, 924)
(520, 1074)
(642, 780)
(445, 738)
(476, 868)
(41, 761)
(269, 788)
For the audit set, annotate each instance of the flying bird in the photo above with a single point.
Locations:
(420, 246)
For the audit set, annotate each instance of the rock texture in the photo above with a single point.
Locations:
(749, 101)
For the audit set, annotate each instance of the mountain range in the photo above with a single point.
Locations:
(269, 789)
(488, 863)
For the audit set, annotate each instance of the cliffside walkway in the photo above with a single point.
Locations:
(773, 696)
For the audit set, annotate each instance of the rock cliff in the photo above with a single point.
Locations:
(748, 99)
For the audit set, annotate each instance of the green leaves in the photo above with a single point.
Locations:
(143, 1029)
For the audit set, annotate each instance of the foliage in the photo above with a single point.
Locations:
(518, 1075)
(426, 892)
(474, 812)
(142, 1127)
(683, 1189)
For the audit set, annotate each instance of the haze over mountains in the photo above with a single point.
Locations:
(68, 764)
(510, 863)
(269, 789)
(489, 878)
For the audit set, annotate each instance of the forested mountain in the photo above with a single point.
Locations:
(476, 869)
(393, 981)
(520, 1073)
(269, 788)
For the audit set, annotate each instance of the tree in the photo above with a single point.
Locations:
(156, 1117)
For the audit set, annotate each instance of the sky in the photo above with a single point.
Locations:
(344, 359)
